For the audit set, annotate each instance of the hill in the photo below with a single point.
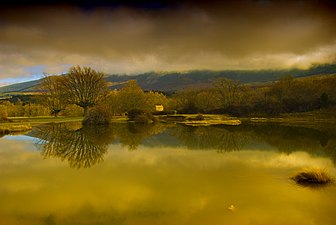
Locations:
(172, 81)
(28, 86)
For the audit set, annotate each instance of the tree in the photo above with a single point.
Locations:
(324, 100)
(53, 90)
(113, 103)
(283, 89)
(131, 96)
(228, 91)
(84, 87)
(155, 98)
(3, 112)
(186, 100)
(17, 109)
(207, 100)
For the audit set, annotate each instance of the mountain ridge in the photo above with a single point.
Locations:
(173, 81)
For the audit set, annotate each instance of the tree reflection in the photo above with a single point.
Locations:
(210, 137)
(82, 147)
(286, 139)
(133, 134)
(85, 146)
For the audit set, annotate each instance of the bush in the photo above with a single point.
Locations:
(3, 113)
(98, 115)
(140, 116)
(72, 110)
(313, 177)
(132, 114)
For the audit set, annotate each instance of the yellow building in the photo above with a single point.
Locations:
(159, 108)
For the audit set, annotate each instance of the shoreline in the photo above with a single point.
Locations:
(19, 124)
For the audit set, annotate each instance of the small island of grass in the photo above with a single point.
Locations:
(313, 177)
(201, 119)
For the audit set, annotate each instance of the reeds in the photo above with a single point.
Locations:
(313, 177)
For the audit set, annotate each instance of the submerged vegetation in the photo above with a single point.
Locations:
(313, 177)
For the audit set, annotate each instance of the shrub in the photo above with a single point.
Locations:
(132, 114)
(312, 177)
(3, 113)
(72, 110)
(98, 115)
(140, 116)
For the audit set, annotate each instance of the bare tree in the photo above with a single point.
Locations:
(84, 87)
(228, 91)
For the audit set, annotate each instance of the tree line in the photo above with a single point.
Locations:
(287, 95)
(83, 91)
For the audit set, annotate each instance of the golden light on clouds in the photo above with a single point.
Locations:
(186, 36)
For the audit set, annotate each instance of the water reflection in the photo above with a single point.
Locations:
(83, 147)
(86, 146)
(165, 181)
(282, 138)
(210, 137)
(289, 139)
(161, 186)
(132, 134)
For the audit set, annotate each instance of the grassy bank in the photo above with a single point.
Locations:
(21, 124)
(200, 119)
(42, 120)
(323, 118)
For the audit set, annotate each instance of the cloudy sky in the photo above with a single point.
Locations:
(139, 36)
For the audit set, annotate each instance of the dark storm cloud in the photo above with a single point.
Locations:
(136, 36)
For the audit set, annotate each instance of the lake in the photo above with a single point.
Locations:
(165, 174)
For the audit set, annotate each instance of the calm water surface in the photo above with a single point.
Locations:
(128, 174)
